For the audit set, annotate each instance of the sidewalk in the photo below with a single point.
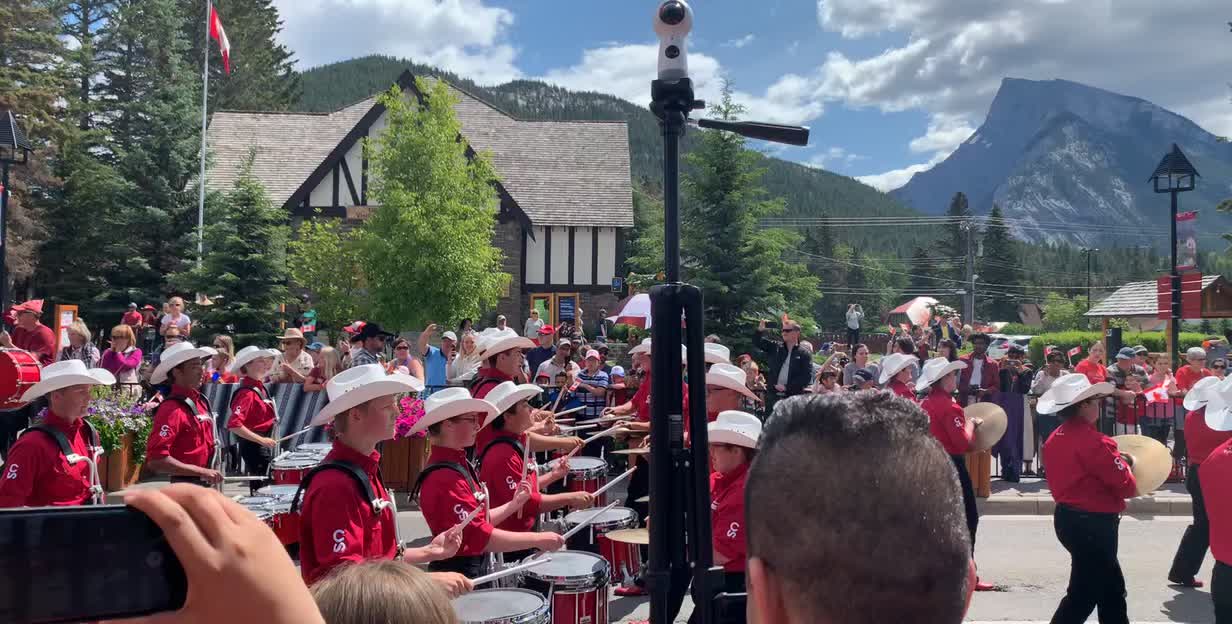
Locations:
(1032, 497)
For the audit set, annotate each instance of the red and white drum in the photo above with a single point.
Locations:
(592, 539)
(284, 522)
(292, 469)
(576, 584)
(18, 371)
(260, 507)
(279, 492)
(623, 549)
(502, 606)
(587, 474)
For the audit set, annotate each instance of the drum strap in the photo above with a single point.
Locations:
(479, 382)
(431, 468)
(517, 446)
(357, 475)
(72, 457)
(192, 405)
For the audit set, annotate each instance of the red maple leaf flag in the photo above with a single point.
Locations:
(1074, 351)
(220, 35)
(1157, 394)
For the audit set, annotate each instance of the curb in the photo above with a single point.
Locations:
(1044, 506)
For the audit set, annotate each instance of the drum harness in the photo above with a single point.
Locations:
(215, 462)
(95, 450)
(495, 561)
(362, 481)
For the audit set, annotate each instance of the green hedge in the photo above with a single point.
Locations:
(1153, 341)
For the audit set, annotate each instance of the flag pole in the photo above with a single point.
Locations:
(205, 95)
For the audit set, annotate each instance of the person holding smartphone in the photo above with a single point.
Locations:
(182, 443)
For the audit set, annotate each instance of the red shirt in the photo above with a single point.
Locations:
(177, 433)
(1095, 372)
(39, 341)
(337, 524)
(1201, 440)
(1085, 471)
(901, 389)
(1216, 474)
(947, 421)
(446, 499)
(501, 470)
(1186, 377)
(36, 473)
(727, 516)
(132, 319)
(248, 409)
(492, 378)
(641, 400)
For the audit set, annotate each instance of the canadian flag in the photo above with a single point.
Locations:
(1157, 394)
(1074, 351)
(220, 36)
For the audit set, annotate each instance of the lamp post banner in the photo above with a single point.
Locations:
(1186, 241)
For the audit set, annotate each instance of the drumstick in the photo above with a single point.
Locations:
(604, 433)
(565, 420)
(525, 467)
(297, 433)
(572, 428)
(571, 410)
(470, 516)
(622, 477)
(585, 523)
(243, 479)
(488, 578)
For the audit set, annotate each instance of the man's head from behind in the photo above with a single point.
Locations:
(898, 552)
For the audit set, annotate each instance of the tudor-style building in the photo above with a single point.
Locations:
(566, 200)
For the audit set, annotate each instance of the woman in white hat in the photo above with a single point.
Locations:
(1207, 394)
(182, 443)
(347, 514)
(449, 490)
(1090, 480)
(896, 371)
(252, 416)
(502, 462)
(53, 462)
(1217, 479)
(733, 445)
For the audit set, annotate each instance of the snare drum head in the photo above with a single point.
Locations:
(279, 491)
(500, 605)
(296, 463)
(614, 518)
(279, 507)
(578, 464)
(316, 448)
(253, 502)
(572, 569)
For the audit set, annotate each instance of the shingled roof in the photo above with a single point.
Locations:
(1135, 299)
(558, 172)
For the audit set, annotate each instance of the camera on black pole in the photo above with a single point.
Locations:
(679, 483)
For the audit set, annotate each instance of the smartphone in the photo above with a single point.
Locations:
(75, 564)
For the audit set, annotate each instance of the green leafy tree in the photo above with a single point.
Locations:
(245, 267)
(998, 265)
(1063, 313)
(739, 266)
(263, 75)
(324, 258)
(427, 251)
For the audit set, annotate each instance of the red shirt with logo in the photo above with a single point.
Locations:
(727, 524)
(337, 525)
(641, 399)
(36, 473)
(249, 409)
(178, 433)
(491, 378)
(1085, 470)
(446, 500)
(947, 421)
(501, 470)
(901, 389)
(1201, 440)
(1216, 474)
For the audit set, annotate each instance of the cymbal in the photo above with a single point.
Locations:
(630, 536)
(990, 431)
(632, 451)
(1152, 461)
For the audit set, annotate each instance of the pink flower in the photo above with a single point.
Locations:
(412, 411)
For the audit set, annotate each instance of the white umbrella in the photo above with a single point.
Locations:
(634, 310)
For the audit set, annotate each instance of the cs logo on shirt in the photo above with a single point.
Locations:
(513, 485)
(714, 504)
(460, 511)
(339, 542)
(958, 422)
(164, 431)
(12, 473)
(1120, 463)
(733, 530)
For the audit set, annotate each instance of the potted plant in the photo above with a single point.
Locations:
(123, 426)
(403, 457)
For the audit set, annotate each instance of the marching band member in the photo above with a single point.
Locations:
(1090, 481)
(896, 372)
(34, 338)
(950, 425)
(252, 410)
(449, 490)
(501, 465)
(347, 514)
(726, 390)
(53, 463)
(1217, 479)
(182, 442)
(1207, 393)
(733, 445)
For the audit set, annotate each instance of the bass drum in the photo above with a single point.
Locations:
(18, 371)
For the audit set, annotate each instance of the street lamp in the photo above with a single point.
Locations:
(1087, 252)
(1175, 174)
(15, 149)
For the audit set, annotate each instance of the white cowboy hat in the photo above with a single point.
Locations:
(506, 394)
(893, 364)
(250, 353)
(935, 369)
(1219, 404)
(1202, 393)
(450, 402)
(360, 384)
(730, 377)
(67, 373)
(645, 348)
(1069, 390)
(493, 341)
(717, 353)
(735, 427)
(177, 354)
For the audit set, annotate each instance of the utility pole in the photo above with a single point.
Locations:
(1087, 252)
(969, 305)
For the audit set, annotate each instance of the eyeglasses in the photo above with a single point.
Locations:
(402, 348)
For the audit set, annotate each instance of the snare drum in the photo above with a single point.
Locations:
(320, 449)
(576, 584)
(502, 606)
(292, 469)
(588, 474)
(18, 371)
(623, 558)
(259, 506)
(284, 522)
(279, 492)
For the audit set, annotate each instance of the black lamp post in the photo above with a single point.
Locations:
(1087, 252)
(15, 149)
(1175, 174)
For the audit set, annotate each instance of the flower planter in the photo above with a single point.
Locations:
(402, 460)
(122, 470)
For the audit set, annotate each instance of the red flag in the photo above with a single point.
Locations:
(1047, 351)
(1074, 351)
(220, 36)
(1157, 394)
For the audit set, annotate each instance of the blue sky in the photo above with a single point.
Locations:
(889, 87)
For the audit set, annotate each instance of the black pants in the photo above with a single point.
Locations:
(1197, 537)
(11, 423)
(968, 491)
(734, 613)
(256, 461)
(853, 339)
(1095, 578)
(467, 566)
(1221, 592)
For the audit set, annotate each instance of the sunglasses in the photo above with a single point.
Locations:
(789, 331)
(402, 348)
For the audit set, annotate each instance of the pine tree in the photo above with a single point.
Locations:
(245, 266)
(263, 75)
(645, 244)
(80, 21)
(738, 265)
(998, 265)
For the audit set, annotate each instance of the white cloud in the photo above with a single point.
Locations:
(833, 157)
(625, 70)
(740, 42)
(464, 36)
(891, 180)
